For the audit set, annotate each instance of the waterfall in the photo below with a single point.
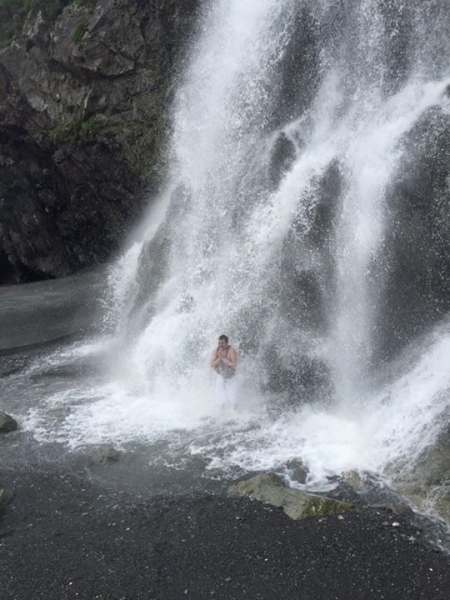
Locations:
(295, 131)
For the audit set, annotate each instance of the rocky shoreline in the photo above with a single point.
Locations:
(63, 536)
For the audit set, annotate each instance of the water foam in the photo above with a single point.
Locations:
(219, 232)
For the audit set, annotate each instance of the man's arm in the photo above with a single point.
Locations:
(215, 360)
(231, 361)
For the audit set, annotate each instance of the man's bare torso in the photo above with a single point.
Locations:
(224, 359)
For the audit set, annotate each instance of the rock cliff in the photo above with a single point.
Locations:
(85, 91)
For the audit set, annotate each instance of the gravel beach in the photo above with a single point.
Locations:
(63, 537)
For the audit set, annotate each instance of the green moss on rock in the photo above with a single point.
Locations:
(270, 489)
(442, 504)
(78, 130)
(88, 4)
(13, 14)
(80, 32)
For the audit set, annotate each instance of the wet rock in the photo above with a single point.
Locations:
(442, 502)
(416, 263)
(427, 484)
(299, 68)
(48, 208)
(282, 158)
(353, 479)
(398, 510)
(298, 376)
(297, 470)
(345, 492)
(303, 295)
(105, 455)
(7, 423)
(270, 489)
(328, 192)
(5, 498)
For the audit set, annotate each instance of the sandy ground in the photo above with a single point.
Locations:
(64, 537)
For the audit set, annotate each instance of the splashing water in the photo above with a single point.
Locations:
(271, 229)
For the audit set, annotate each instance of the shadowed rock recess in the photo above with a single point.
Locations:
(85, 90)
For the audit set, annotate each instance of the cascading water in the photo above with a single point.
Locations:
(291, 128)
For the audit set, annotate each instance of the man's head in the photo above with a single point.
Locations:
(223, 341)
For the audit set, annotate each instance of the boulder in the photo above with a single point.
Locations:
(270, 489)
(297, 471)
(442, 503)
(427, 485)
(105, 455)
(7, 423)
(353, 479)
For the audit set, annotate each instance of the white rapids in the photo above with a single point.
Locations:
(209, 256)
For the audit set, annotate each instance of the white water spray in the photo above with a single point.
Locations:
(232, 243)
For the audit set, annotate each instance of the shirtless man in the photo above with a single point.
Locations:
(224, 361)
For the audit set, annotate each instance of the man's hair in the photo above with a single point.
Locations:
(224, 337)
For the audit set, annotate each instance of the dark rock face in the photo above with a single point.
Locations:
(83, 109)
(417, 259)
(300, 377)
(302, 286)
(60, 209)
(299, 68)
(281, 159)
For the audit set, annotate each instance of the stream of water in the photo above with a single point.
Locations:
(288, 135)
